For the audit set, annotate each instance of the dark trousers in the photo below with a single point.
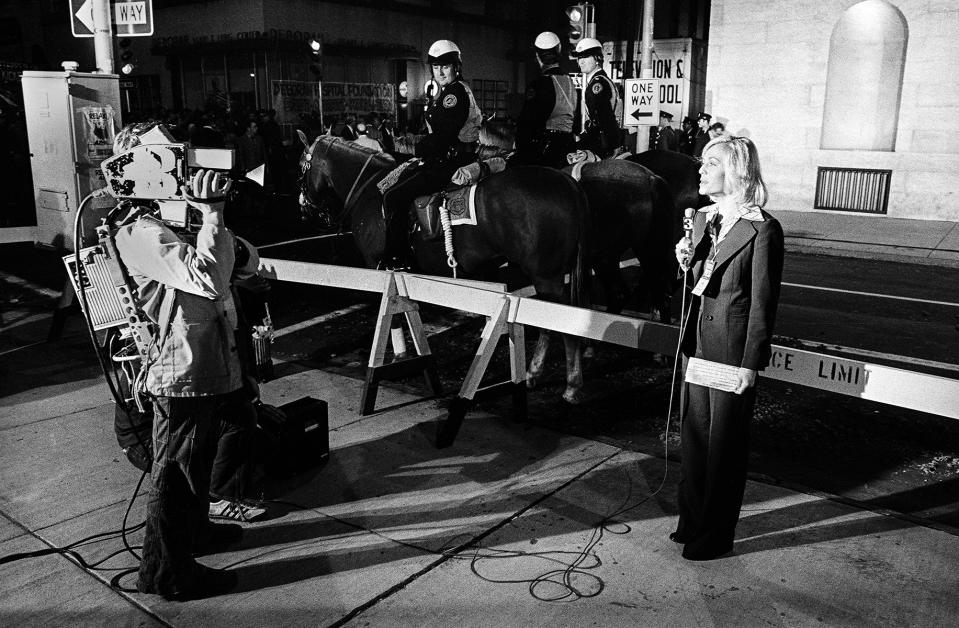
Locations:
(185, 440)
(715, 450)
(230, 474)
(398, 200)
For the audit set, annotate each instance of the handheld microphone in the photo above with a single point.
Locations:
(688, 223)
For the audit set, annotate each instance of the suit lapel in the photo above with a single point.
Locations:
(738, 237)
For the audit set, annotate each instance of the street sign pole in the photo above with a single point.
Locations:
(103, 36)
(646, 67)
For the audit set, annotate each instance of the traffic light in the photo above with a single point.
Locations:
(577, 23)
(316, 57)
(126, 55)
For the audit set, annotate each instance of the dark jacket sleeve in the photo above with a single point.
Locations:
(540, 99)
(446, 117)
(605, 117)
(766, 271)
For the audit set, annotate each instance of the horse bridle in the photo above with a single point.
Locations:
(349, 201)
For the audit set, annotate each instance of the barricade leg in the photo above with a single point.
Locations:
(377, 370)
(496, 326)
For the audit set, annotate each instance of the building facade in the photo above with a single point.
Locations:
(852, 103)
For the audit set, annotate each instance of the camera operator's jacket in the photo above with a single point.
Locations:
(198, 353)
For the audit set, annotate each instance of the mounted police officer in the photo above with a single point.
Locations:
(544, 131)
(453, 121)
(602, 134)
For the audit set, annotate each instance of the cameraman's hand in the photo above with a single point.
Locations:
(208, 190)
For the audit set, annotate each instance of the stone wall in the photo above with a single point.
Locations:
(766, 79)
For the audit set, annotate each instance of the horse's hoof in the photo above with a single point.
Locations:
(531, 382)
(573, 397)
(399, 357)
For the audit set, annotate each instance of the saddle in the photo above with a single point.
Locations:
(458, 201)
(458, 198)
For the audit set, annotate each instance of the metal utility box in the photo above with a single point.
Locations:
(72, 118)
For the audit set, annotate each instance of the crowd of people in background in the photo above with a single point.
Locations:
(691, 138)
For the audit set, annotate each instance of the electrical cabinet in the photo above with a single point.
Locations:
(72, 118)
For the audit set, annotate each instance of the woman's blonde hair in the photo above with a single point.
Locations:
(744, 176)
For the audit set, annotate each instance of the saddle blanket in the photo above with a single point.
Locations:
(461, 204)
(390, 180)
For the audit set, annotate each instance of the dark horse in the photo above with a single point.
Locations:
(679, 171)
(535, 218)
(632, 208)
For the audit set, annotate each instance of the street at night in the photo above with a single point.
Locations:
(273, 276)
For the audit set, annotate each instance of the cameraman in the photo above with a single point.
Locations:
(193, 376)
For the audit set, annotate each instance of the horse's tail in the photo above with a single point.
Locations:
(579, 281)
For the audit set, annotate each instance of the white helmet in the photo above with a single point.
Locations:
(443, 52)
(587, 47)
(546, 41)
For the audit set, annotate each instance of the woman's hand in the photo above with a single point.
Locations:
(747, 379)
(208, 188)
(684, 253)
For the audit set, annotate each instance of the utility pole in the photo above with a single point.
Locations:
(646, 66)
(103, 36)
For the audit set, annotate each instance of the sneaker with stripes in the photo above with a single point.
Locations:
(235, 511)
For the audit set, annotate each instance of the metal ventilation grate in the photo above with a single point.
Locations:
(852, 189)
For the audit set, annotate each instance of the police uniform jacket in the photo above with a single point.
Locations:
(198, 355)
(454, 121)
(602, 128)
(551, 105)
(666, 139)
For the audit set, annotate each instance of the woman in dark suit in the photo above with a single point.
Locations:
(735, 262)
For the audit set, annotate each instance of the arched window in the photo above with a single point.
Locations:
(867, 53)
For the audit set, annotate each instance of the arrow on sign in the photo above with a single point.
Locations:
(85, 14)
(642, 114)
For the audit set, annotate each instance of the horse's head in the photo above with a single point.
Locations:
(315, 177)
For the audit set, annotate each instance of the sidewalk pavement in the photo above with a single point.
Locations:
(514, 525)
(933, 242)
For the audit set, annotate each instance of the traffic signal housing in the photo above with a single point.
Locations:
(126, 55)
(577, 23)
(316, 57)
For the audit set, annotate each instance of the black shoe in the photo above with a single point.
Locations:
(676, 537)
(206, 583)
(216, 537)
(706, 553)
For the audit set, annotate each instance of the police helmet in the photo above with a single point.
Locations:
(546, 42)
(444, 52)
(589, 47)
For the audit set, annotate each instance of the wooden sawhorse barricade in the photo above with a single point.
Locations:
(401, 294)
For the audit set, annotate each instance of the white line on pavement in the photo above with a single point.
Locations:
(320, 319)
(871, 294)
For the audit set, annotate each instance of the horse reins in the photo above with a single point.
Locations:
(347, 203)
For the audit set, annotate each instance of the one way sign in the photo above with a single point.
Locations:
(130, 19)
(641, 105)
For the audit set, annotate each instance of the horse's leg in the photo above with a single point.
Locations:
(538, 361)
(574, 370)
(615, 293)
(399, 342)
